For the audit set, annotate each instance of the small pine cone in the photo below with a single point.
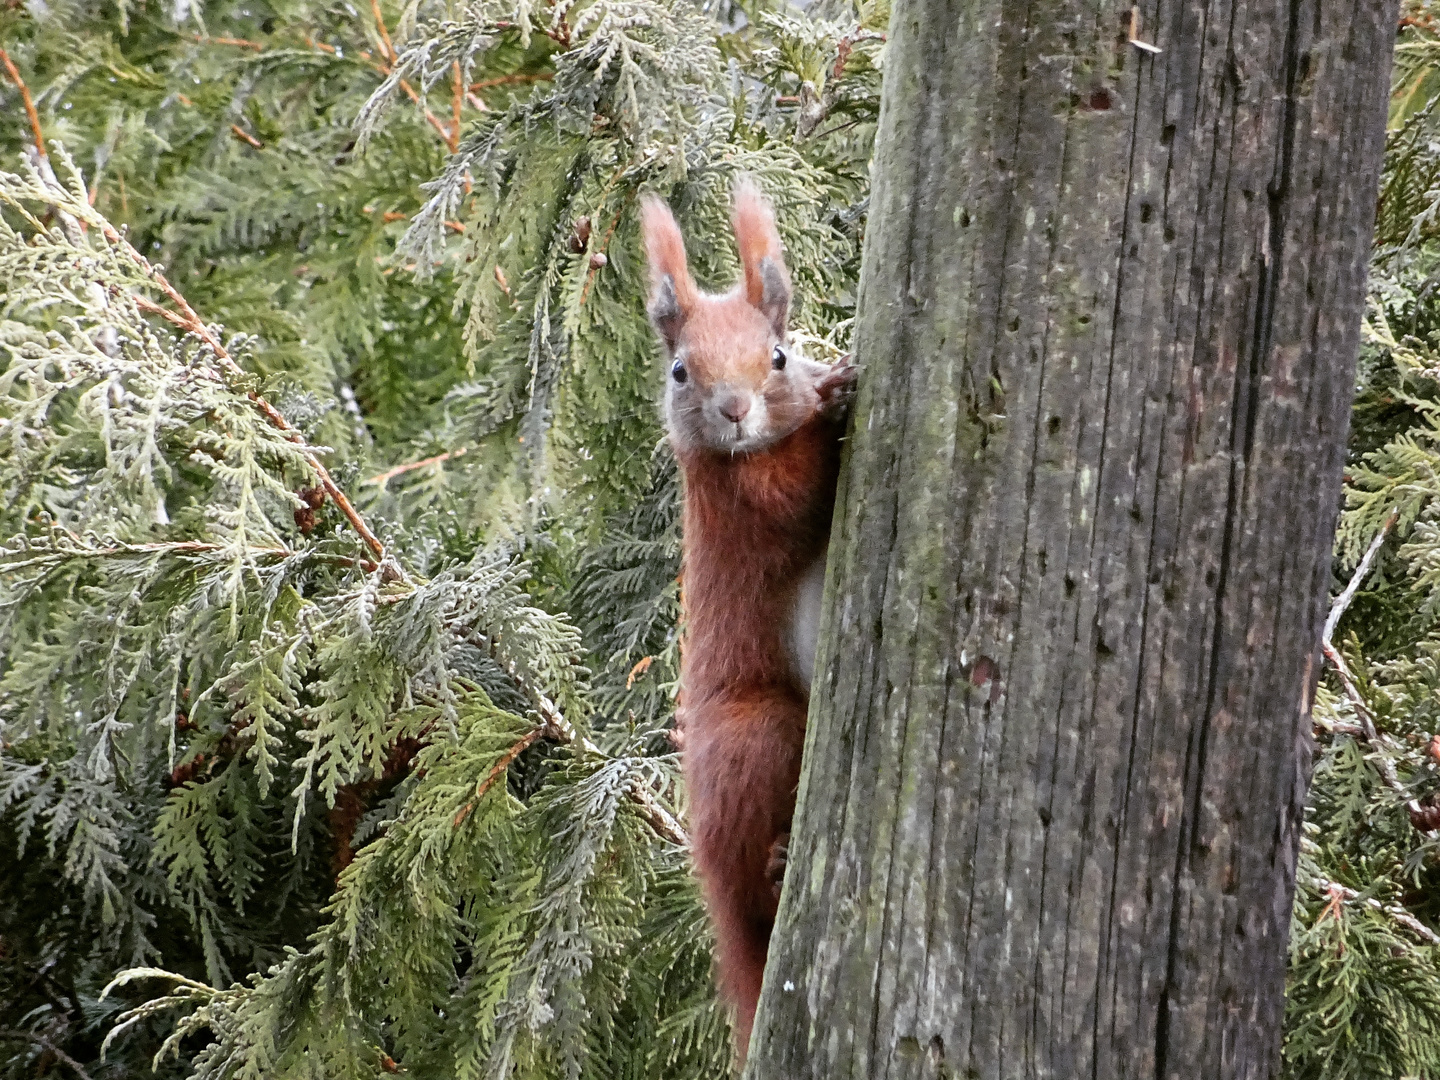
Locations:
(187, 771)
(304, 520)
(314, 497)
(580, 236)
(598, 260)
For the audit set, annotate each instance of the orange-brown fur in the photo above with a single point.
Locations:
(754, 521)
(751, 526)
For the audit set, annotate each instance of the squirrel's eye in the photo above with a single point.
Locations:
(778, 358)
(678, 372)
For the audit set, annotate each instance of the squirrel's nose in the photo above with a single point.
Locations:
(734, 407)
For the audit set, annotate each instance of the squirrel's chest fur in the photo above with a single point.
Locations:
(756, 528)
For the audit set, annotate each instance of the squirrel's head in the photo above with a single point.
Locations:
(732, 380)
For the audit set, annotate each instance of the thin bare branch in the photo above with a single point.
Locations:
(1342, 669)
(1342, 602)
(40, 1040)
(385, 477)
(243, 135)
(1338, 892)
(30, 113)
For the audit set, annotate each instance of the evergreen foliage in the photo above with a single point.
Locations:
(298, 786)
(283, 801)
(1364, 979)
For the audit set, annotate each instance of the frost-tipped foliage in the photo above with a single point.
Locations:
(1364, 980)
(314, 810)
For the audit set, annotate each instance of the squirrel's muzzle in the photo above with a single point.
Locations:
(734, 407)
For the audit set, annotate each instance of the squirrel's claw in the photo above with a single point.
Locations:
(837, 389)
(775, 866)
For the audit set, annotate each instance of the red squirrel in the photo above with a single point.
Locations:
(756, 428)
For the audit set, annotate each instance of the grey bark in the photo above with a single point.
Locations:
(1059, 739)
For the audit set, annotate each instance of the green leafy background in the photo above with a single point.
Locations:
(278, 805)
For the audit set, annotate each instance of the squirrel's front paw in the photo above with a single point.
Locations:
(837, 388)
(775, 867)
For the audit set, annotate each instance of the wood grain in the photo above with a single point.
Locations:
(1058, 743)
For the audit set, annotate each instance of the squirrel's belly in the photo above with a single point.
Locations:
(804, 628)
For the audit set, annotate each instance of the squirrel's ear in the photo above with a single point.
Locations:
(767, 282)
(672, 292)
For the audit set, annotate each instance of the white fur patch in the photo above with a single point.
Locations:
(805, 620)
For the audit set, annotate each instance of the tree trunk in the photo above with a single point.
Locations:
(1059, 737)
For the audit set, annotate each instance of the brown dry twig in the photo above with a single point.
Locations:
(847, 45)
(240, 43)
(386, 47)
(505, 80)
(430, 118)
(243, 135)
(395, 215)
(26, 100)
(526, 741)
(640, 668)
(1338, 893)
(389, 474)
(457, 100)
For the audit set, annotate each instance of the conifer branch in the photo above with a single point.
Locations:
(40, 1040)
(188, 320)
(556, 728)
(522, 744)
(598, 258)
(173, 547)
(387, 50)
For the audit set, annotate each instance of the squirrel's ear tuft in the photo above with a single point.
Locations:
(767, 282)
(672, 292)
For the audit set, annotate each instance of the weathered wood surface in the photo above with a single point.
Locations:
(1058, 740)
